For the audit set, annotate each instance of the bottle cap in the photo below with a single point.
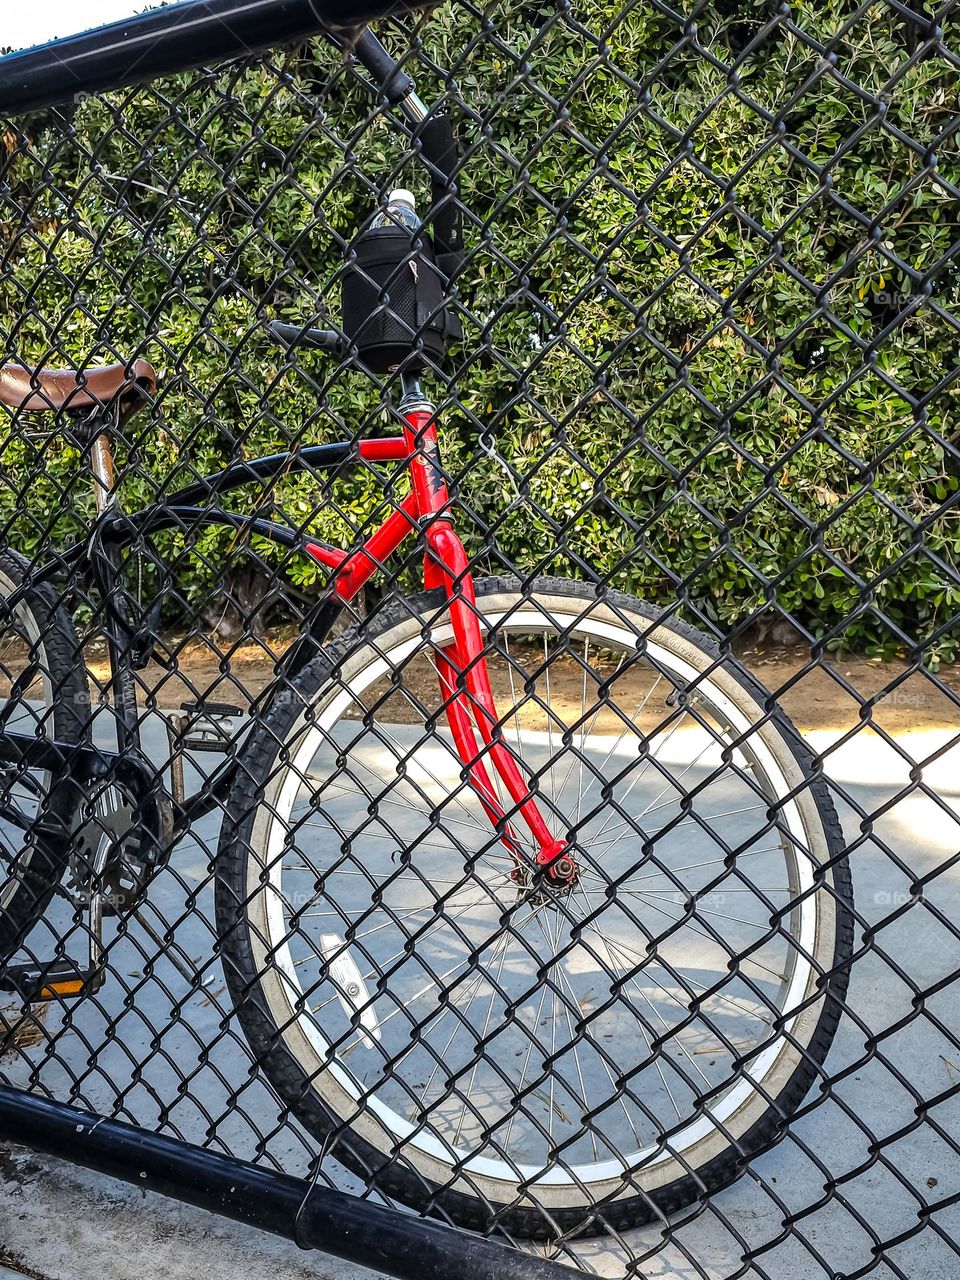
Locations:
(402, 196)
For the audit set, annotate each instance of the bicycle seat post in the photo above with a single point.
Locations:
(101, 463)
(107, 565)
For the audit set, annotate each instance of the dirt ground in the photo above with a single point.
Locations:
(827, 696)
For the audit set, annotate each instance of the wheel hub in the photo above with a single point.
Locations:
(548, 884)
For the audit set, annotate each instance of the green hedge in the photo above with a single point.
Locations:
(621, 298)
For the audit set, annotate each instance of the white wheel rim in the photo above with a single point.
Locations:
(420, 1140)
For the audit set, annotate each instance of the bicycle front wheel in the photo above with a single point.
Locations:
(484, 1042)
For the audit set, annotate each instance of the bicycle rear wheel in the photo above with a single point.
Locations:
(482, 1041)
(43, 693)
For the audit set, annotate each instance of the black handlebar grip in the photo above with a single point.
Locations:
(387, 72)
(295, 335)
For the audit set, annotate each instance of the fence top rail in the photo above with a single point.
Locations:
(166, 41)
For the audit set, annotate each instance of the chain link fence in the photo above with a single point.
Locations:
(592, 880)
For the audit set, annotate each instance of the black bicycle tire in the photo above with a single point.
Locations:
(70, 720)
(404, 1183)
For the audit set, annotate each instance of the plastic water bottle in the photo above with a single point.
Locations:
(401, 211)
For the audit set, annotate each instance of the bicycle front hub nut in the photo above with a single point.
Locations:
(564, 868)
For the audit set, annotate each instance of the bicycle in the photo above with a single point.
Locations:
(480, 855)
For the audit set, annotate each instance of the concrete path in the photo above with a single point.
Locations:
(60, 1222)
(66, 1224)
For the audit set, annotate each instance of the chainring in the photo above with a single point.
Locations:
(120, 872)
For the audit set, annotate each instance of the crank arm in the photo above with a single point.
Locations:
(63, 977)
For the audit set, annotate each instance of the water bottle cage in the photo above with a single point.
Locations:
(394, 307)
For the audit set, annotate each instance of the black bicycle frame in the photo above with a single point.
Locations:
(115, 530)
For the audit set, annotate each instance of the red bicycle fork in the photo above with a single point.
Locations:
(465, 687)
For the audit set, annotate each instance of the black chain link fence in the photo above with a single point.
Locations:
(607, 894)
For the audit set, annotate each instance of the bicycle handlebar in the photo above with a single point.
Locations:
(191, 34)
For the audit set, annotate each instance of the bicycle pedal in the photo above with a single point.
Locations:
(201, 726)
(34, 983)
(211, 710)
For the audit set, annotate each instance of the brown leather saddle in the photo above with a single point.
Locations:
(128, 387)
